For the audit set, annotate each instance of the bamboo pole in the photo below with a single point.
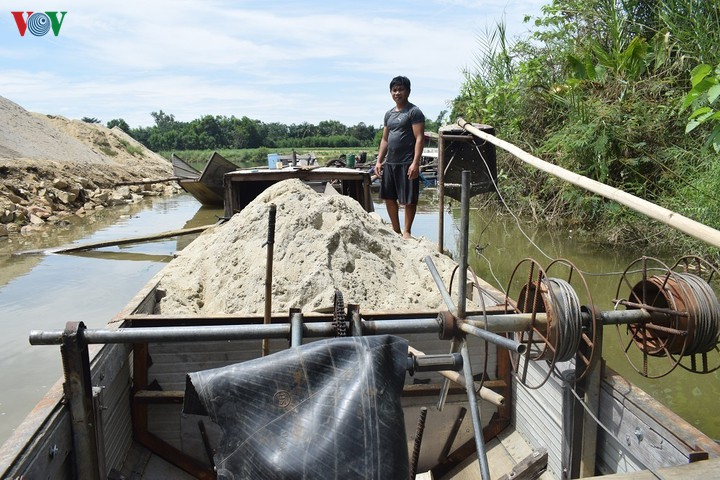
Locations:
(147, 182)
(118, 241)
(668, 217)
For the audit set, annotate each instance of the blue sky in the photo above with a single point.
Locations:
(274, 61)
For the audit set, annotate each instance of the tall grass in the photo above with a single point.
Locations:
(597, 88)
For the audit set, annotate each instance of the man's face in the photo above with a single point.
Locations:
(399, 94)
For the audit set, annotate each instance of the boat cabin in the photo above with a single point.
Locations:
(243, 186)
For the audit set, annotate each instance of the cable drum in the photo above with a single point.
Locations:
(568, 326)
(704, 310)
(563, 331)
(668, 331)
(684, 323)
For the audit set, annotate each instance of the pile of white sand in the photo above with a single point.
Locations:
(322, 242)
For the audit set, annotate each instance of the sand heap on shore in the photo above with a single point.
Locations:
(321, 243)
(52, 168)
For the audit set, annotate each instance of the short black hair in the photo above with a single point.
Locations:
(400, 81)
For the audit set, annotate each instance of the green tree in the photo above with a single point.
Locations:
(247, 133)
(364, 133)
(120, 123)
(596, 89)
(302, 130)
(328, 128)
(163, 121)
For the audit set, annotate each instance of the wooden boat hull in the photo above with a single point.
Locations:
(135, 422)
(138, 393)
(206, 186)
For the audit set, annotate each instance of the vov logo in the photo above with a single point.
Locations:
(38, 23)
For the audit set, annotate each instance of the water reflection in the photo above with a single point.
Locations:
(45, 291)
(498, 244)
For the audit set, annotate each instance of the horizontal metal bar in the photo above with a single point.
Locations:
(474, 325)
(434, 363)
(620, 317)
(651, 308)
(510, 322)
(520, 322)
(231, 332)
(167, 334)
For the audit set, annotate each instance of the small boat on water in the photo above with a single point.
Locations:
(205, 186)
(487, 384)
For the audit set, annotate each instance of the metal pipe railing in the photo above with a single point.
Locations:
(473, 325)
(259, 331)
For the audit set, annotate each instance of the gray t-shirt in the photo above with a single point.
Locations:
(401, 141)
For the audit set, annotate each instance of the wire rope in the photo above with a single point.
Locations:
(705, 315)
(568, 318)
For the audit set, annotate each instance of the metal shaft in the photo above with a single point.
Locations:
(296, 322)
(232, 332)
(495, 323)
(475, 413)
(464, 233)
(449, 303)
(494, 338)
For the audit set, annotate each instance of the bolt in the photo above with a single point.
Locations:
(53, 451)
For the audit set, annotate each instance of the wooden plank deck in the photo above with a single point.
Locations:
(504, 452)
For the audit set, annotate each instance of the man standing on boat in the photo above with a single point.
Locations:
(398, 162)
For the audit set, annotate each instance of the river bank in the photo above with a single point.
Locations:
(53, 168)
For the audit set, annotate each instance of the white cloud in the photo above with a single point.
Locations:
(274, 61)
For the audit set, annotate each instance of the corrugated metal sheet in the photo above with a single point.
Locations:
(170, 364)
(111, 374)
(164, 422)
(538, 414)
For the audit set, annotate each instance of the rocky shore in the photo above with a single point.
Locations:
(52, 168)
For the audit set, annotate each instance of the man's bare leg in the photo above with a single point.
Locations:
(410, 210)
(392, 209)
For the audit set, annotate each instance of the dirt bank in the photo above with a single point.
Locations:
(52, 167)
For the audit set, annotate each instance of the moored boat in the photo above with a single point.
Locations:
(206, 185)
(123, 412)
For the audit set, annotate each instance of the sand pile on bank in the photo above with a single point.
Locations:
(321, 243)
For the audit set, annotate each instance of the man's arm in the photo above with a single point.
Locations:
(419, 133)
(382, 151)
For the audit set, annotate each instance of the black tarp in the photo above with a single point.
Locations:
(326, 410)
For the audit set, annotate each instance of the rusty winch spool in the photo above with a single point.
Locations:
(684, 316)
(562, 332)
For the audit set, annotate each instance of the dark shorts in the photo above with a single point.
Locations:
(395, 185)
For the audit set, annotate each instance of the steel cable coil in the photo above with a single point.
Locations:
(568, 325)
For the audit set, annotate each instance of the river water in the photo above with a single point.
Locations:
(43, 292)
